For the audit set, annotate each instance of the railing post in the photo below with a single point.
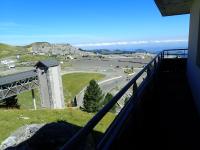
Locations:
(148, 71)
(162, 55)
(185, 54)
(159, 59)
(134, 87)
(154, 64)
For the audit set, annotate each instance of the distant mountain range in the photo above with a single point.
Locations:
(107, 52)
(150, 47)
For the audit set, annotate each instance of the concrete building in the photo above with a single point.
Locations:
(51, 89)
(192, 7)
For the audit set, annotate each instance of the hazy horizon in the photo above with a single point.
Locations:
(131, 45)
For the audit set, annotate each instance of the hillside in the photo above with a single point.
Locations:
(54, 49)
(44, 48)
(8, 50)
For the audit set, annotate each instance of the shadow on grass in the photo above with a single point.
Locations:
(54, 135)
(10, 103)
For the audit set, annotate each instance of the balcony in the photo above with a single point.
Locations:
(160, 114)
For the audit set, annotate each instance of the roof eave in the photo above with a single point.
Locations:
(164, 12)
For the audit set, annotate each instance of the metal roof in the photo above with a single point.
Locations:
(17, 77)
(47, 63)
(174, 7)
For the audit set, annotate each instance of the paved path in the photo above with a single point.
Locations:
(102, 82)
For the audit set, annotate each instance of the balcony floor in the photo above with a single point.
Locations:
(167, 118)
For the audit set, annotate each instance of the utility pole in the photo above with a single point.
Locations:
(33, 97)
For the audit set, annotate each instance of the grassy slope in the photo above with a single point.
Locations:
(32, 58)
(25, 100)
(10, 120)
(7, 50)
(73, 83)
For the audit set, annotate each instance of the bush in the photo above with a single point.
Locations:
(10, 102)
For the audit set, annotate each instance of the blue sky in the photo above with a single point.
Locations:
(89, 23)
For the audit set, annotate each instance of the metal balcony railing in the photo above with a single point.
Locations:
(111, 133)
(176, 53)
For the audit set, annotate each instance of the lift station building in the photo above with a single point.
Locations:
(50, 84)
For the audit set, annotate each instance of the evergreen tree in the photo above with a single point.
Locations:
(107, 98)
(93, 96)
(74, 102)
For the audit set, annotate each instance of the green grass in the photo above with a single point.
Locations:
(8, 50)
(33, 58)
(10, 120)
(73, 83)
(25, 100)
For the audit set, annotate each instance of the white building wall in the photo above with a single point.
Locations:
(193, 71)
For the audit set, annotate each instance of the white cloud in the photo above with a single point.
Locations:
(130, 43)
(169, 41)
